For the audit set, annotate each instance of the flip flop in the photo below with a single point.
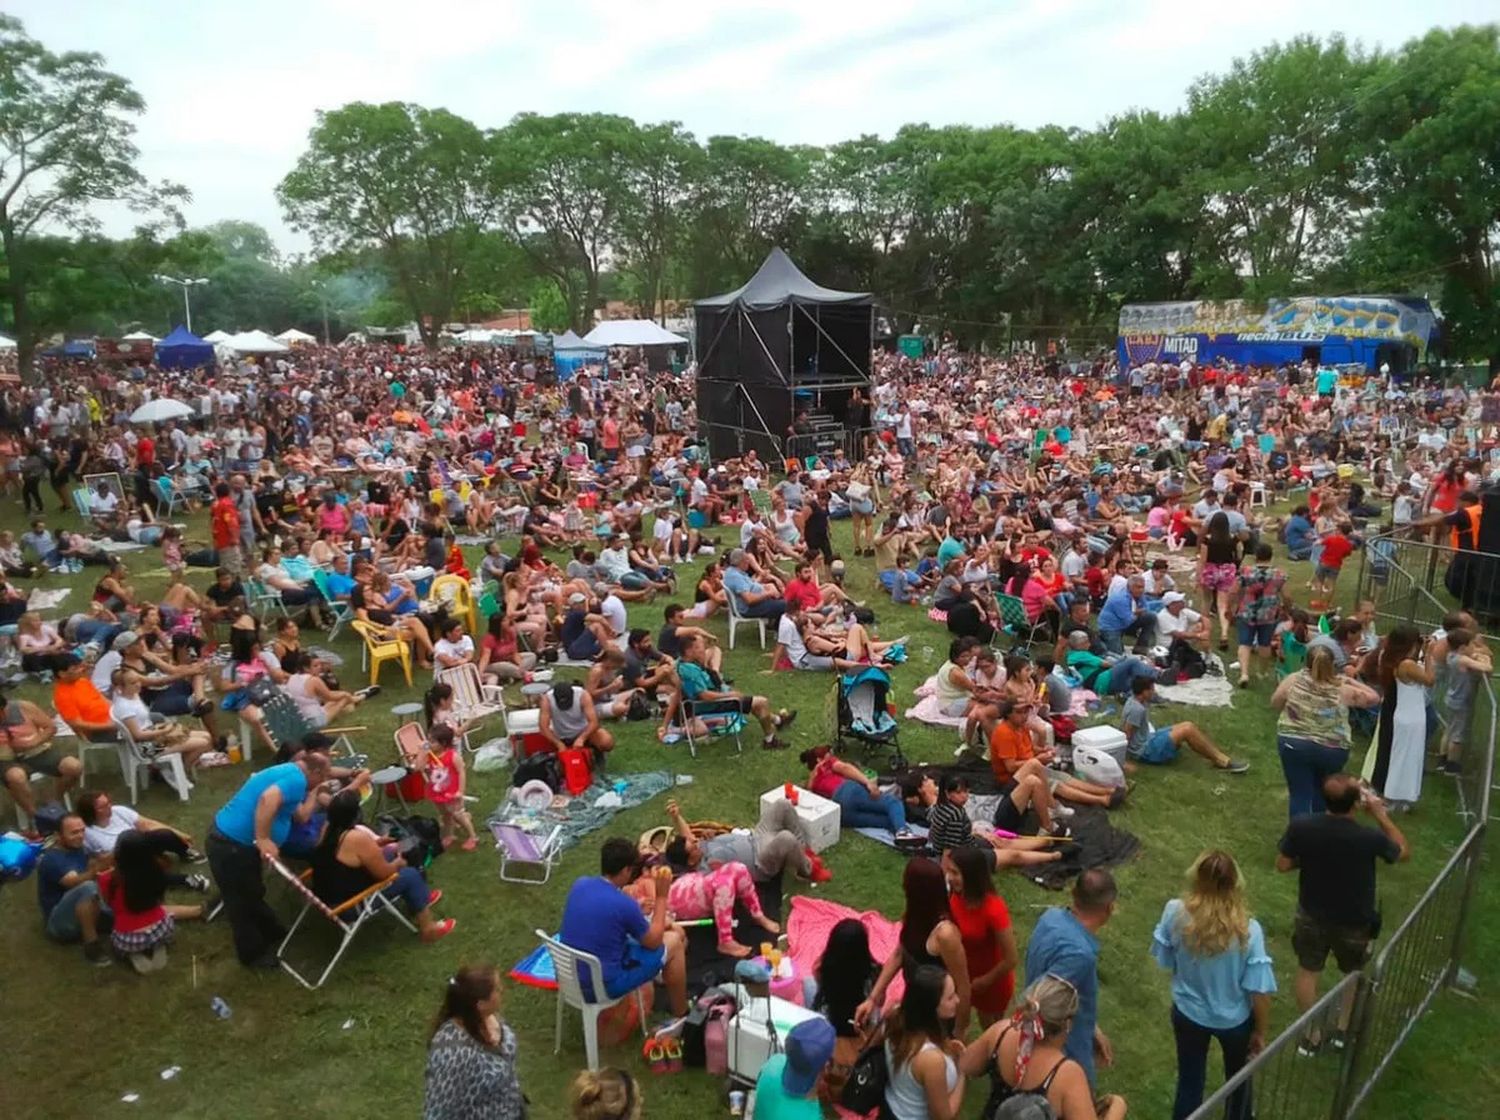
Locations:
(655, 1055)
(673, 1047)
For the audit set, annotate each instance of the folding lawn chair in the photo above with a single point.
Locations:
(1014, 621)
(720, 717)
(262, 600)
(348, 916)
(520, 849)
(338, 609)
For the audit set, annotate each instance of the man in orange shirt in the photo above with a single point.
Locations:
(1014, 757)
(224, 525)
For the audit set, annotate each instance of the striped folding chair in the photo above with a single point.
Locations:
(348, 917)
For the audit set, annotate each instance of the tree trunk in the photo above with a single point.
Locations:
(20, 310)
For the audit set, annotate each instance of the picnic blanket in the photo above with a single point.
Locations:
(706, 966)
(1213, 691)
(118, 546)
(44, 599)
(578, 816)
(929, 710)
(813, 919)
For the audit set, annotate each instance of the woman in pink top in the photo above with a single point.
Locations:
(333, 517)
(1032, 592)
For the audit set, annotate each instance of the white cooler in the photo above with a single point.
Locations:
(1109, 740)
(749, 1032)
(820, 817)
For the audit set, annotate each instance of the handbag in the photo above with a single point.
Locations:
(864, 1092)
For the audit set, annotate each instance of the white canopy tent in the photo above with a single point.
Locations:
(255, 342)
(292, 335)
(631, 332)
(217, 337)
(477, 336)
(139, 336)
(7, 343)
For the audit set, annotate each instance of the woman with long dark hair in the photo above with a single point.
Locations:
(350, 859)
(844, 976)
(921, 1050)
(1394, 765)
(471, 1053)
(983, 922)
(1218, 572)
(134, 890)
(928, 937)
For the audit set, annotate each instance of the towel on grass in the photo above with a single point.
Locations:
(44, 599)
(579, 816)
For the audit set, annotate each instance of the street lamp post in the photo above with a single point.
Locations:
(184, 284)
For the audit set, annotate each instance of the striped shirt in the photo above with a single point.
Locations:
(948, 826)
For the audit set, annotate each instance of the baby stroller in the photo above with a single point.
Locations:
(864, 716)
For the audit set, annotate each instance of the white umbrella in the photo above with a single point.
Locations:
(163, 408)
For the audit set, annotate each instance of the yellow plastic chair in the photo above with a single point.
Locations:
(455, 591)
(380, 649)
(438, 498)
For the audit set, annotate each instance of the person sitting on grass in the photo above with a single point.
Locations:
(778, 841)
(1016, 762)
(949, 827)
(801, 644)
(599, 918)
(606, 683)
(1147, 744)
(351, 858)
(710, 892)
(861, 802)
(67, 889)
(676, 630)
(699, 685)
(133, 891)
(26, 734)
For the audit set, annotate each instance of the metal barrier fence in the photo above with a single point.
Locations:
(1386, 1000)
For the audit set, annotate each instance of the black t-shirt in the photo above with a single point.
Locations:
(360, 600)
(666, 640)
(223, 596)
(1336, 856)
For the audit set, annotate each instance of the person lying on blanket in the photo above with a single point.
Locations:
(1013, 753)
(712, 893)
(949, 826)
(779, 841)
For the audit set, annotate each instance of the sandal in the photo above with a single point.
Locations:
(655, 1055)
(673, 1046)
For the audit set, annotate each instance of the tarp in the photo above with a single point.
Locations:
(255, 342)
(138, 336)
(476, 336)
(631, 332)
(182, 349)
(778, 281)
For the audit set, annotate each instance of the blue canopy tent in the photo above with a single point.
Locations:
(182, 349)
(571, 353)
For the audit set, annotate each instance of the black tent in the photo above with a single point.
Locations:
(782, 351)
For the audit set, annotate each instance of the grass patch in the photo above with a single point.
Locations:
(80, 1037)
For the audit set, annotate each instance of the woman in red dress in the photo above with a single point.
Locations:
(984, 927)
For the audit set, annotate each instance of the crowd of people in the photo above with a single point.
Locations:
(1115, 518)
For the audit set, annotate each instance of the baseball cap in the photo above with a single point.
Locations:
(578, 597)
(1173, 597)
(124, 640)
(809, 1047)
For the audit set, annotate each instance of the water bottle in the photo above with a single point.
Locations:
(220, 1009)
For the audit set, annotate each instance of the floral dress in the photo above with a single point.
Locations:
(470, 1081)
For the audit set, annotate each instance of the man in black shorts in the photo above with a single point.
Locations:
(26, 748)
(1335, 857)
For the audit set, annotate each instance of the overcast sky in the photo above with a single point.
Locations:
(232, 88)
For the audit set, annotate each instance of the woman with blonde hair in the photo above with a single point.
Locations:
(1024, 1056)
(1312, 733)
(1221, 979)
(604, 1094)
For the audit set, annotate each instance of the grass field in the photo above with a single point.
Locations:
(79, 1038)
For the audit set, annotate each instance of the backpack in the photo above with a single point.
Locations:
(419, 840)
(543, 767)
(705, 1032)
(864, 1091)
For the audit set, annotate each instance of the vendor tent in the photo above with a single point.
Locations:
(255, 342)
(138, 336)
(476, 336)
(182, 349)
(631, 332)
(569, 340)
(293, 336)
(216, 337)
(7, 343)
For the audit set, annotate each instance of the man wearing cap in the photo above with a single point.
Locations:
(103, 673)
(751, 599)
(582, 632)
(1177, 622)
(787, 1088)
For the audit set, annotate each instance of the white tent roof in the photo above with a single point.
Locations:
(216, 336)
(7, 343)
(631, 332)
(255, 342)
(476, 335)
(294, 335)
(138, 336)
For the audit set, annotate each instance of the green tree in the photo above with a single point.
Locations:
(565, 182)
(410, 182)
(549, 308)
(661, 164)
(66, 142)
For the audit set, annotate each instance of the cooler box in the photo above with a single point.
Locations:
(1110, 740)
(820, 817)
(750, 1041)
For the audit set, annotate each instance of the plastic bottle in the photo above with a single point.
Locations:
(220, 1009)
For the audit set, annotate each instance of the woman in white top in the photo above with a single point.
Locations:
(921, 1055)
(319, 704)
(165, 737)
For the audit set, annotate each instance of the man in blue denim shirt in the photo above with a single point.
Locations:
(1065, 944)
(1125, 612)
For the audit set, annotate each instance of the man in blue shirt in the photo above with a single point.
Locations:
(1125, 612)
(699, 684)
(1298, 534)
(250, 827)
(67, 890)
(1065, 944)
(751, 600)
(601, 919)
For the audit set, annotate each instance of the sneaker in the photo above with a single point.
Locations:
(1235, 766)
(1062, 812)
(1308, 1046)
(470, 844)
(773, 744)
(1059, 830)
(1116, 797)
(94, 952)
(434, 898)
(199, 883)
(908, 839)
(1452, 769)
(439, 931)
(785, 717)
(193, 855)
(366, 693)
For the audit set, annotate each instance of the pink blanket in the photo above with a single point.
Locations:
(813, 919)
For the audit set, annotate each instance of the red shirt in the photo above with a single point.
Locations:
(977, 926)
(224, 521)
(112, 891)
(145, 451)
(1336, 548)
(802, 594)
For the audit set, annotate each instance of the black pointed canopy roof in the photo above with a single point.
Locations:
(778, 282)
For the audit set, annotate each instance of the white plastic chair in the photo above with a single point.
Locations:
(134, 760)
(569, 964)
(736, 620)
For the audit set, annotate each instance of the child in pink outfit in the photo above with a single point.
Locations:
(712, 893)
(446, 779)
